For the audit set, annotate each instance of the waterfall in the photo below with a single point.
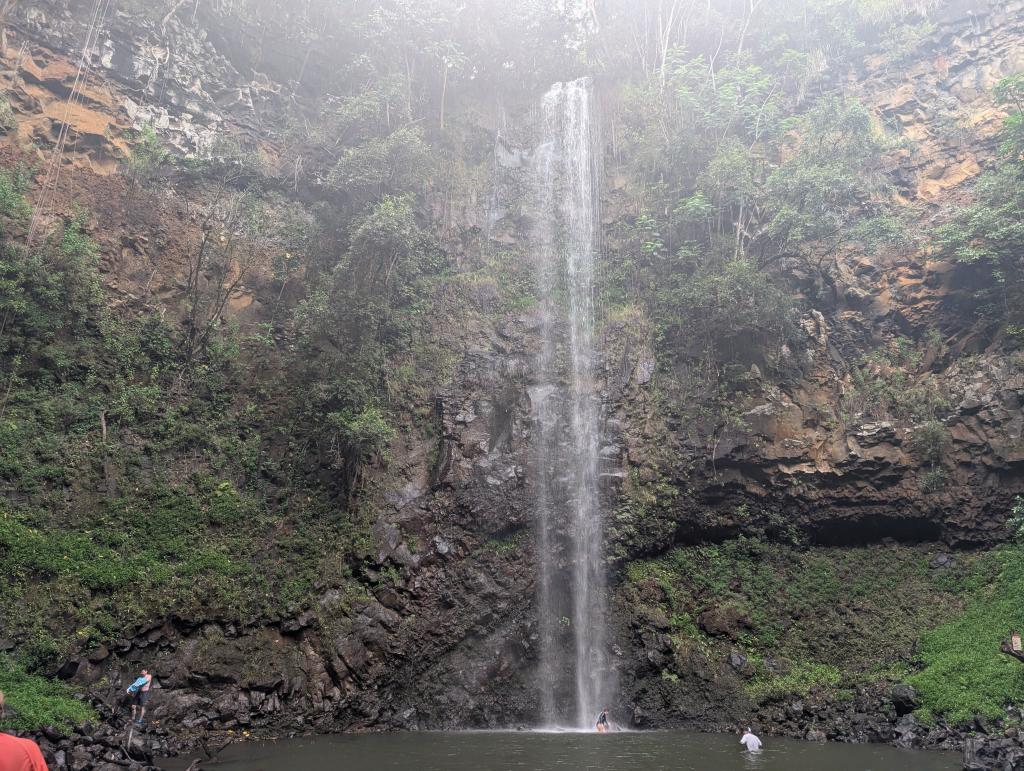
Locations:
(573, 674)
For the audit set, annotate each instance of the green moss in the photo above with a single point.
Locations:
(964, 674)
(36, 701)
(858, 612)
(800, 680)
(509, 545)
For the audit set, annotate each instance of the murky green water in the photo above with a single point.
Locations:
(486, 751)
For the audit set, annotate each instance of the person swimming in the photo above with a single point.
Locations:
(602, 721)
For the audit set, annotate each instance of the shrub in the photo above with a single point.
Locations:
(802, 678)
(36, 702)
(729, 307)
(12, 198)
(929, 441)
(1016, 520)
(932, 481)
(989, 230)
(364, 433)
(147, 157)
(396, 163)
(7, 119)
(885, 385)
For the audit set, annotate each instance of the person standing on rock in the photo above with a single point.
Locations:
(751, 742)
(139, 691)
(602, 721)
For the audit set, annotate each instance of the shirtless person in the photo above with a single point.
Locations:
(140, 695)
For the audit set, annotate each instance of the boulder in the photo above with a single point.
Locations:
(727, 621)
(904, 699)
(815, 735)
(739, 664)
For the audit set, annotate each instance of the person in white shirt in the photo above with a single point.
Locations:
(751, 742)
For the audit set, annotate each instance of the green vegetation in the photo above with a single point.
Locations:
(35, 702)
(147, 159)
(788, 604)
(643, 513)
(8, 121)
(800, 680)
(890, 383)
(929, 441)
(963, 673)
(155, 458)
(509, 545)
(933, 480)
(990, 230)
(133, 453)
(14, 209)
(1016, 521)
(749, 181)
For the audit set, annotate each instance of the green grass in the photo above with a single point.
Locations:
(35, 701)
(802, 678)
(964, 674)
(846, 616)
(185, 549)
(835, 615)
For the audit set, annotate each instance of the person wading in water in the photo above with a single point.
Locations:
(751, 742)
(602, 721)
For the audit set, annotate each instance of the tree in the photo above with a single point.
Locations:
(357, 438)
(241, 234)
(990, 230)
(831, 173)
(146, 159)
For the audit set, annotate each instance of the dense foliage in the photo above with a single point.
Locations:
(40, 702)
(990, 230)
(964, 674)
(787, 605)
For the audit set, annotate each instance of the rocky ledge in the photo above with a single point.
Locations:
(104, 747)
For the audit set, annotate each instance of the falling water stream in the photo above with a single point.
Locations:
(574, 674)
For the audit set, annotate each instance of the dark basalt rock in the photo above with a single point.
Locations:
(723, 622)
(904, 699)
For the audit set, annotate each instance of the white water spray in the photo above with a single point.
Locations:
(574, 675)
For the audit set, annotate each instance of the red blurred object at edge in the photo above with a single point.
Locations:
(20, 754)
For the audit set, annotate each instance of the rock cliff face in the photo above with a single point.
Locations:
(814, 449)
(447, 637)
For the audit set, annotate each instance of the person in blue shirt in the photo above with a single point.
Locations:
(139, 691)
